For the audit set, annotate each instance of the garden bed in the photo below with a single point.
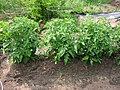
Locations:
(45, 75)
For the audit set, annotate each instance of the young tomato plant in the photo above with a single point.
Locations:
(90, 40)
(60, 37)
(94, 40)
(21, 41)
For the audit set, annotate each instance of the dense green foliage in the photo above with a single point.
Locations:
(9, 4)
(116, 39)
(95, 40)
(90, 40)
(2, 26)
(65, 39)
(116, 34)
(39, 9)
(21, 40)
(61, 38)
(47, 9)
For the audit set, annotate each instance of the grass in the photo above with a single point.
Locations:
(76, 4)
(88, 6)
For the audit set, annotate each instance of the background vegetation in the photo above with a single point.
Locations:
(47, 9)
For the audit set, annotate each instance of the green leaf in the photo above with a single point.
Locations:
(28, 53)
(85, 58)
(66, 58)
(75, 48)
(71, 53)
(61, 52)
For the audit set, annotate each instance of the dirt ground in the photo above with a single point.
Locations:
(115, 3)
(43, 74)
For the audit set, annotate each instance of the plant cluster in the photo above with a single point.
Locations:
(20, 39)
(90, 40)
(40, 9)
(65, 39)
(60, 36)
(95, 40)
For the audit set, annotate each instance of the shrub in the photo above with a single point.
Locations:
(60, 36)
(21, 41)
(90, 40)
(39, 9)
(95, 40)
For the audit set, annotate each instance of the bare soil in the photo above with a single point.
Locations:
(43, 74)
(115, 3)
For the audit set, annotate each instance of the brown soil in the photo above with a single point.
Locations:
(45, 75)
(115, 3)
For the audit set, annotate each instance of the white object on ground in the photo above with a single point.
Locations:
(1, 85)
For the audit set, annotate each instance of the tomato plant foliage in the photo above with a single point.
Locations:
(61, 38)
(90, 40)
(116, 39)
(3, 24)
(95, 41)
(65, 39)
(21, 41)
